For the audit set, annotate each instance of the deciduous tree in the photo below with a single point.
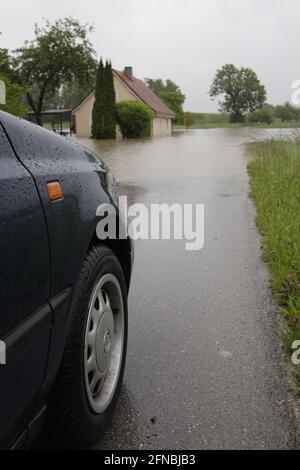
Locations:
(189, 119)
(170, 93)
(60, 52)
(241, 91)
(287, 112)
(261, 116)
(15, 98)
(5, 63)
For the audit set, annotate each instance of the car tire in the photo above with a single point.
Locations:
(95, 349)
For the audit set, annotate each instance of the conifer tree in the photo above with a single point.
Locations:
(110, 103)
(98, 109)
(104, 111)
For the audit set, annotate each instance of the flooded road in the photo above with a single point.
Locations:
(204, 369)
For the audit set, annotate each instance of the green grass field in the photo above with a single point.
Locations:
(210, 121)
(274, 171)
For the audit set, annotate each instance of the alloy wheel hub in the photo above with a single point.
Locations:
(104, 339)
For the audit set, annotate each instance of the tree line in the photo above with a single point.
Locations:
(60, 54)
(58, 68)
(243, 97)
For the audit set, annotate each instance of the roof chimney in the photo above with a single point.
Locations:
(128, 72)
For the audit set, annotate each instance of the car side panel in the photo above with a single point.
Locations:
(24, 272)
(72, 220)
(24, 287)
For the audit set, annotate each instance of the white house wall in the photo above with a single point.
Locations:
(161, 126)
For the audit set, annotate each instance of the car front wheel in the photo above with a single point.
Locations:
(90, 377)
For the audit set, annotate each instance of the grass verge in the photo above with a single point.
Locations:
(274, 171)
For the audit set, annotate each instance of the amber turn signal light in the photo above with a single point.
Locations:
(55, 191)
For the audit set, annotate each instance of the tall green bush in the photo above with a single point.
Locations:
(286, 112)
(134, 119)
(104, 110)
(261, 116)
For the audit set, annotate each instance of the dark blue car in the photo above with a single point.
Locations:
(63, 292)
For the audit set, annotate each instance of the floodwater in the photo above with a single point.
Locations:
(186, 154)
(204, 368)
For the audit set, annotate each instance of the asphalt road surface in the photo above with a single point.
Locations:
(204, 367)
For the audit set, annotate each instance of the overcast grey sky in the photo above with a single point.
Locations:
(185, 40)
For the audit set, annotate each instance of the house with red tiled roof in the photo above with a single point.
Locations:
(127, 87)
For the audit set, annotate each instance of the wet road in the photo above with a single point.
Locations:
(204, 369)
